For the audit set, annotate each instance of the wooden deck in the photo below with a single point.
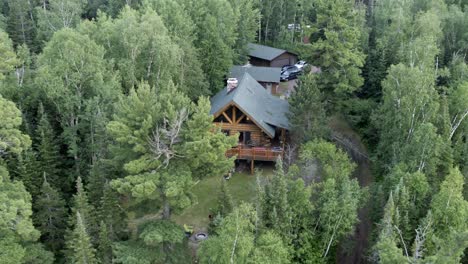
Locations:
(256, 153)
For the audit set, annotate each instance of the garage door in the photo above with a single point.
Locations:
(280, 62)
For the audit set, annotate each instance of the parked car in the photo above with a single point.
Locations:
(301, 64)
(285, 67)
(290, 73)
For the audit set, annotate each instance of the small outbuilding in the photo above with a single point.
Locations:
(268, 77)
(266, 56)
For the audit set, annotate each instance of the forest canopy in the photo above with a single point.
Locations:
(106, 132)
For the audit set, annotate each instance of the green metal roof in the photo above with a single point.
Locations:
(264, 52)
(260, 74)
(250, 97)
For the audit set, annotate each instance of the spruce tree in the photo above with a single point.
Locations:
(104, 245)
(275, 208)
(48, 150)
(224, 202)
(307, 111)
(79, 244)
(50, 217)
(81, 204)
(110, 212)
(336, 49)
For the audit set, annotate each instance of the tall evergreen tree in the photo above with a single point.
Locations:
(307, 110)
(336, 49)
(50, 217)
(18, 233)
(276, 210)
(216, 36)
(181, 27)
(104, 245)
(21, 22)
(247, 25)
(79, 244)
(47, 150)
(80, 203)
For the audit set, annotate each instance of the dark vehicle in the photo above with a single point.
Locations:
(290, 73)
(285, 67)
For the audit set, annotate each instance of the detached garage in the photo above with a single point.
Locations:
(265, 56)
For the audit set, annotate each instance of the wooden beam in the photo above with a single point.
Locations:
(234, 114)
(227, 117)
(240, 119)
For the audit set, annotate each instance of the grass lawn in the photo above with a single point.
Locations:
(241, 187)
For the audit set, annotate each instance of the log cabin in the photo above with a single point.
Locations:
(244, 108)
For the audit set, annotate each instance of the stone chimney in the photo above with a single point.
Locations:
(232, 84)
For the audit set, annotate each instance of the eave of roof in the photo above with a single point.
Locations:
(264, 52)
(260, 74)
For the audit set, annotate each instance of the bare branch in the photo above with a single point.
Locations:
(164, 138)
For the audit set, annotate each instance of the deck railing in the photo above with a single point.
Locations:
(255, 153)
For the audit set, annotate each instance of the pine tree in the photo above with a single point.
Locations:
(110, 212)
(48, 151)
(336, 49)
(307, 111)
(224, 201)
(81, 204)
(275, 208)
(50, 217)
(449, 209)
(25, 169)
(21, 24)
(104, 245)
(79, 244)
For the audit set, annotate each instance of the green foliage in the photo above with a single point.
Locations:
(54, 15)
(104, 251)
(19, 236)
(181, 28)
(110, 212)
(160, 232)
(275, 207)
(47, 149)
(8, 58)
(337, 197)
(224, 202)
(247, 25)
(50, 215)
(235, 241)
(307, 110)
(140, 47)
(79, 244)
(159, 241)
(11, 138)
(336, 49)
(167, 142)
(20, 24)
(80, 204)
(73, 74)
(269, 248)
(216, 35)
(449, 208)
